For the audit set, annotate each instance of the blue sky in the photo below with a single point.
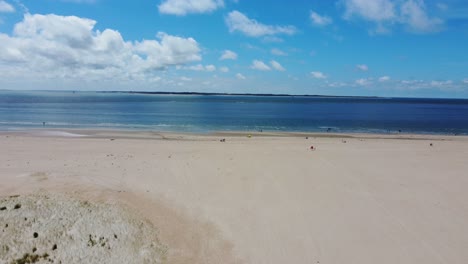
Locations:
(409, 48)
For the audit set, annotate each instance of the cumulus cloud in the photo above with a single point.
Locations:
(441, 83)
(402, 85)
(184, 7)
(363, 82)
(362, 67)
(259, 65)
(200, 67)
(465, 81)
(277, 66)
(6, 7)
(278, 52)
(414, 15)
(272, 39)
(224, 69)
(337, 84)
(228, 55)
(236, 21)
(372, 10)
(318, 75)
(240, 76)
(319, 20)
(384, 79)
(385, 13)
(70, 47)
(210, 68)
(197, 67)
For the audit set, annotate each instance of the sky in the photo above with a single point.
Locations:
(398, 48)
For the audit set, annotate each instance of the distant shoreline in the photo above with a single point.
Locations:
(245, 94)
(321, 96)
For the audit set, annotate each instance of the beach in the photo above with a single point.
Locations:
(261, 197)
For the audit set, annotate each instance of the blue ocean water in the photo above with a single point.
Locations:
(207, 113)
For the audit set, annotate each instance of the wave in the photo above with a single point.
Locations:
(92, 125)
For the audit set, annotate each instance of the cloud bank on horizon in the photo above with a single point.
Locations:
(343, 47)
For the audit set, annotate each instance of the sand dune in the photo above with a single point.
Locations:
(55, 228)
(264, 199)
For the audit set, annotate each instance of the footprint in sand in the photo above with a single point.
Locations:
(39, 176)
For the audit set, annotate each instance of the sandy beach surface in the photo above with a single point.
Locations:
(267, 198)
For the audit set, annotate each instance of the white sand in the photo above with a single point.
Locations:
(265, 199)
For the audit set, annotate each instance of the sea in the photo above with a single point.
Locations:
(25, 110)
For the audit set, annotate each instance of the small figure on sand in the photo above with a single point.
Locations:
(223, 140)
(312, 147)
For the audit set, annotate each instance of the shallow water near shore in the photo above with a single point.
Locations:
(208, 113)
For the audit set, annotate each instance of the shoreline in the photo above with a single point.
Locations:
(174, 135)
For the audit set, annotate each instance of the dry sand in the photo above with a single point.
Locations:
(266, 199)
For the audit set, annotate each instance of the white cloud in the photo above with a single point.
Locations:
(465, 81)
(240, 76)
(68, 47)
(411, 81)
(210, 68)
(6, 7)
(318, 75)
(272, 39)
(441, 83)
(386, 13)
(236, 21)
(362, 67)
(259, 65)
(319, 20)
(363, 82)
(277, 66)
(337, 84)
(197, 67)
(414, 15)
(278, 52)
(184, 7)
(224, 69)
(200, 67)
(384, 79)
(372, 10)
(183, 78)
(228, 55)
